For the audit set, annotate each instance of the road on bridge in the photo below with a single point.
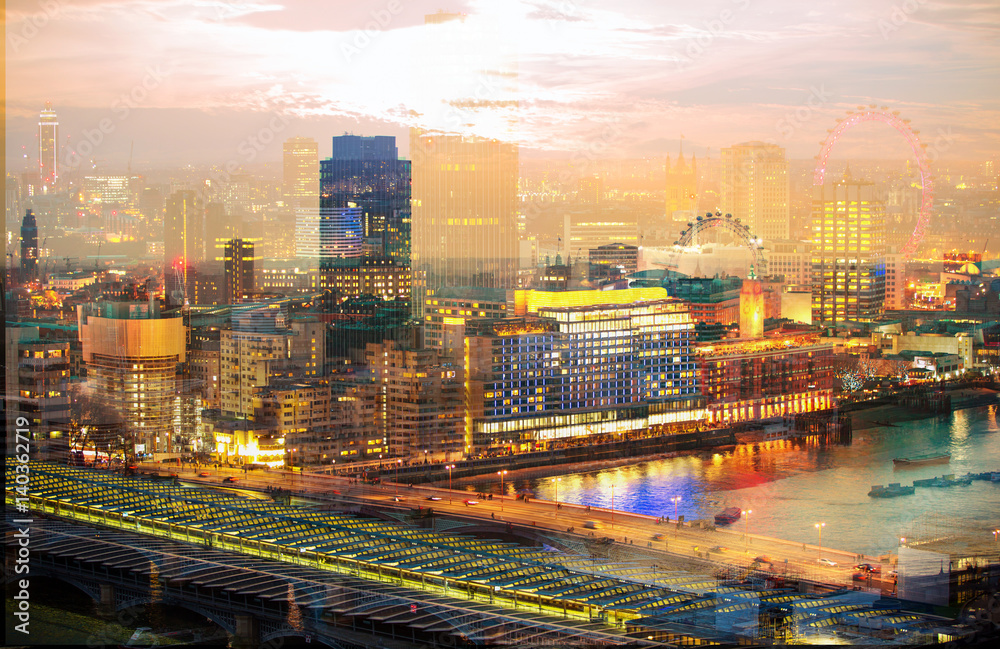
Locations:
(722, 545)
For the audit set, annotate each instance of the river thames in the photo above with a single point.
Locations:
(790, 486)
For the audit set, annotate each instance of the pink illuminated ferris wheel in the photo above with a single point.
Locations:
(882, 114)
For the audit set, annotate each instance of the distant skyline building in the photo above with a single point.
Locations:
(48, 147)
(183, 241)
(681, 185)
(239, 281)
(300, 186)
(29, 248)
(107, 190)
(755, 188)
(464, 214)
(848, 262)
(328, 233)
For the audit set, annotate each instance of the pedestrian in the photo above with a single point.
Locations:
(493, 515)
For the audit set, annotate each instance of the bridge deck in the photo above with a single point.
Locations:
(576, 587)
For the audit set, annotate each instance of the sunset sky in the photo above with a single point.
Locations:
(192, 81)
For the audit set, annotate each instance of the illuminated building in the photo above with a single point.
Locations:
(131, 354)
(615, 255)
(587, 231)
(421, 401)
(446, 314)
(29, 248)
(37, 374)
(681, 185)
(383, 277)
(326, 233)
(300, 181)
(755, 188)
(366, 172)
(747, 380)
(286, 277)
(579, 363)
(48, 147)
(464, 226)
(113, 190)
(751, 309)
(848, 266)
(710, 299)
(239, 270)
(262, 345)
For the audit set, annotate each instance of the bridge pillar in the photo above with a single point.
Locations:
(246, 632)
(106, 605)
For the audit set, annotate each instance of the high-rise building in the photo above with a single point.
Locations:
(755, 188)
(848, 262)
(132, 357)
(29, 248)
(183, 240)
(301, 172)
(366, 172)
(328, 233)
(464, 223)
(48, 147)
(239, 270)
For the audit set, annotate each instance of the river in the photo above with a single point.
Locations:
(790, 486)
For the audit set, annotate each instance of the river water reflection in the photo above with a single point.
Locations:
(791, 486)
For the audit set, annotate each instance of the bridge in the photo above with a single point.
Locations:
(288, 569)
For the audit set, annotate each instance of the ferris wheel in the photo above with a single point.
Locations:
(882, 114)
(734, 226)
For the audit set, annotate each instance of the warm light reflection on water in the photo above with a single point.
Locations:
(789, 485)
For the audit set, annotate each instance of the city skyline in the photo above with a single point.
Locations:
(595, 79)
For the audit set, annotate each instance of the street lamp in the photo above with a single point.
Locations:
(398, 462)
(557, 481)
(449, 467)
(675, 500)
(819, 528)
(501, 474)
(746, 532)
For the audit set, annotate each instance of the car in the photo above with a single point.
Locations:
(471, 502)
(231, 479)
(826, 562)
(718, 548)
(434, 498)
(204, 474)
(592, 525)
(657, 537)
(762, 558)
(174, 475)
(397, 499)
(867, 567)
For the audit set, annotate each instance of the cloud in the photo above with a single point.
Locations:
(720, 72)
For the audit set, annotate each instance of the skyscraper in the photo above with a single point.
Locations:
(239, 270)
(183, 240)
(848, 262)
(464, 222)
(755, 188)
(301, 172)
(29, 248)
(366, 172)
(48, 151)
